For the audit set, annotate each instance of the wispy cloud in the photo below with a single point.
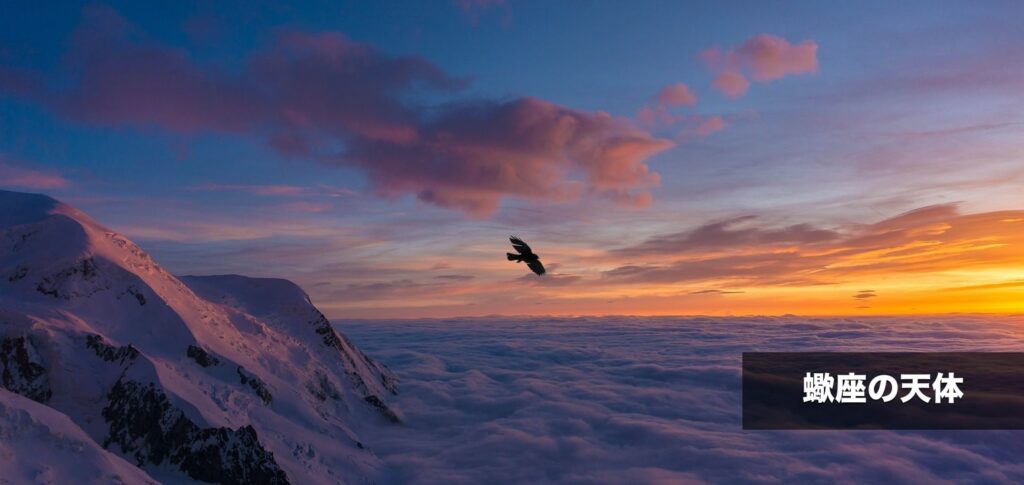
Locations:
(276, 190)
(716, 292)
(927, 240)
(22, 176)
(864, 295)
(268, 190)
(729, 234)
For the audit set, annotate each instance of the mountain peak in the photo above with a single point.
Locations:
(217, 378)
(23, 208)
(17, 208)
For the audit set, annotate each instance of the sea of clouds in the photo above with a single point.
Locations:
(653, 400)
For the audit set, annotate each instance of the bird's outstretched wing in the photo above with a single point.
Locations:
(536, 267)
(520, 246)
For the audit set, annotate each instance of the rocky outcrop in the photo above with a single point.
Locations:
(136, 293)
(22, 370)
(382, 408)
(202, 357)
(255, 383)
(145, 425)
(122, 355)
(321, 387)
(207, 359)
(346, 349)
(80, 279)
(149, 428)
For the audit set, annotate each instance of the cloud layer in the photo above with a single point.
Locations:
(653, 400)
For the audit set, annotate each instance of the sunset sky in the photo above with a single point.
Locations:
(662, 157)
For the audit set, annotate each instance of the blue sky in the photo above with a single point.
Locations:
(855, 113)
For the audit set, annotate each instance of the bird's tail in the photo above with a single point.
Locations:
(514, 257)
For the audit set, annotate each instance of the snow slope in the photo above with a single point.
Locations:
(40, 445)
(220, 379)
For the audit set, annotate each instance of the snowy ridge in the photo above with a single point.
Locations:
(40, 445)
(221, 379)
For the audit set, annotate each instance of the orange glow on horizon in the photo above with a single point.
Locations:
(929, 261)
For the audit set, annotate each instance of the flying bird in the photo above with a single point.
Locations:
(525, 255)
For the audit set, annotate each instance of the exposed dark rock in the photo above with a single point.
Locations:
(18, 273)
(386, 379)
(202, 357)
(226, 456)
(23, 372)
(333, 339)
(257, 384)
(322, 388)
(21, 241)
(306, 451)
(54, 285)
(383, 408)
(138, 295)
(206, 359)
(47, 290)
(123, 354)
(147, 427)
(323, 328)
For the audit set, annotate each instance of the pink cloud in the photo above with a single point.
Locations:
(18, 176)
(691, 124)
(300, 85)
(710, 125)
(662, 115)
(327, 98)
(763, 57)
(673, 95)
(280, 191)
(310, 207)
(648, 116)
(651, 117)
(678, 94)
(770, 57)
(474, 154)
(268, 190)
(731, 83)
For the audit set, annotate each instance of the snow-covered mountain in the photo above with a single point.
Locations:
(137, 375)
